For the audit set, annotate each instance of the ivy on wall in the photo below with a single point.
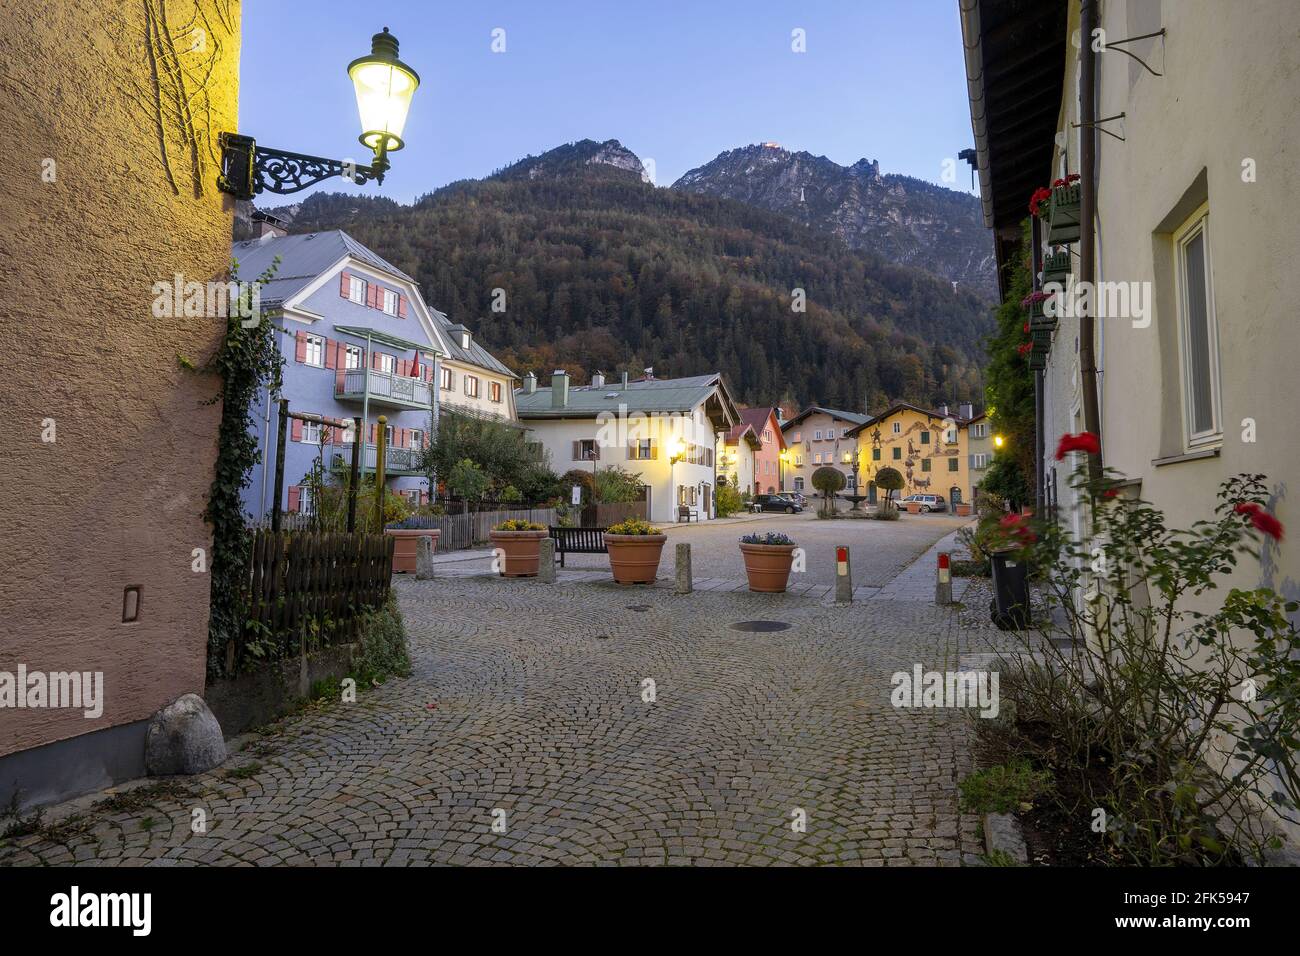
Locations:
(248, 361)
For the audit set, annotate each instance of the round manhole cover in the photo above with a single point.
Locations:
(759, 626)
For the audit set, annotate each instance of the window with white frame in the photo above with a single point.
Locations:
(641, 450)
(352, 357)
(847, 457)
(357, 290)
(414, 438)
(898, 428)
(311, 433)
(387, 363)
(979, 430)
(444, 378)
(798, 461)
(1198, 331)
(494, 391)
(471, 386)
(980, 460)
(315, 350)
(798, 484)
(390, 301)
(349, 432)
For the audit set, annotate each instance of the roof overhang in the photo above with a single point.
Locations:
(1015, 69)
(383, 338)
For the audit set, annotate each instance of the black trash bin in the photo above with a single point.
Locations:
(1010, 606)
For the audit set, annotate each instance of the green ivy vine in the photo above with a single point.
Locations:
(248, 361)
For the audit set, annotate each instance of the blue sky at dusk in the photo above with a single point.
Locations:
(676, 82)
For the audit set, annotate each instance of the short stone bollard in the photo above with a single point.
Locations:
(546, 561)
(843, 576)
(684, 583)
(424, 558)
(943, 584)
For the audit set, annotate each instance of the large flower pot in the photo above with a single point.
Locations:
(407, 546)
(962, 509)
(634, 558)
(768, 566)
(914, 507)
(522, 550)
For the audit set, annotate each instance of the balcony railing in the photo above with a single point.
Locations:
(397, 461)
(399, 391)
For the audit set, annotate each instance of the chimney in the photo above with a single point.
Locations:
(965, 410)
(625, 381)
(269, 226)
(559, 389)
(943, 410)
(530, 383)
(598, 380)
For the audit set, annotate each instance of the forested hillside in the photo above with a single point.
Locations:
(602, 271)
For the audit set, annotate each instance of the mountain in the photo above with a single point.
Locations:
(599, 270)
(904, 220)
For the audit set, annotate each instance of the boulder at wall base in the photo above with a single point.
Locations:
(183, 737)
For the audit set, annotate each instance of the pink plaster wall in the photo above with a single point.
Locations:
(117, 499)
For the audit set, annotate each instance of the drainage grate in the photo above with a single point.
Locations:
(759, 626)
(638, 607)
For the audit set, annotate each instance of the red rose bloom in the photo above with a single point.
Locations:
(1261, 519)
(1084, 441)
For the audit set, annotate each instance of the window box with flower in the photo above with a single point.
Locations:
(1064, 210)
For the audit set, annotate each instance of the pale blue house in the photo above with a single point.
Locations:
(358, 341)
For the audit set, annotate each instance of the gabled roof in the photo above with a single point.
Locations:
(900, 406)
(303, 257)
(854, 417)
(660, 395)
(746, 431)
(475, 354)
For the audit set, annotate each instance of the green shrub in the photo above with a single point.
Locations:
(729, 501)
(885, 511)
(383, 651)
(1004, 789)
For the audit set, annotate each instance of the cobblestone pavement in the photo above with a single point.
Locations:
(528, 698)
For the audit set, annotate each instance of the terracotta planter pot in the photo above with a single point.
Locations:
(634, 558)
(523, 551)
(913, 508)
(408, 541)
(962, 509)
(768, 566)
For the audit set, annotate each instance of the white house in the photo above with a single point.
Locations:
(666, 430)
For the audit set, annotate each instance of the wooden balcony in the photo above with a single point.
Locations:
(385, 389)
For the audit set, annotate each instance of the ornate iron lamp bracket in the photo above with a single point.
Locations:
(248, 169)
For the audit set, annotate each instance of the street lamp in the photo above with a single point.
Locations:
(998, 441)
(384, 87)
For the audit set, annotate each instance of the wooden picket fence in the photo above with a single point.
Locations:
(299, 579)
(466, 530)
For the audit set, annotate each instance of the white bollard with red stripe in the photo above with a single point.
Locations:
(943, 586)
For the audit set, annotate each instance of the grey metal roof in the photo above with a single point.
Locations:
(661, 395)
(303, 257)
(475, 354)
(856, 417)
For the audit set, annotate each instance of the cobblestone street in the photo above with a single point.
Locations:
(527, 698)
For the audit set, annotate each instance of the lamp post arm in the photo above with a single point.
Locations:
(248, 169)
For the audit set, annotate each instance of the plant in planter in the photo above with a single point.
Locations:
(768, 559)
(408, 533)
(1064, 208)
(520, 545)
(634, 548)
(1036, 303)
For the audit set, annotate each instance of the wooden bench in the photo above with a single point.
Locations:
(685, 513)
(578, 541)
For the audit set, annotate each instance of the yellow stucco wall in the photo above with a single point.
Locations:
(913, 451)
(112, 113)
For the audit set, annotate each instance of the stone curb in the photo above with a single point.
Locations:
(1002, 832)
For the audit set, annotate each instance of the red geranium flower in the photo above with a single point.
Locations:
(1110, 493)
(1026, 328)
(1261, 519)
(1040, 196)
(1018, 530)
(1022, 349)
(1084, 441)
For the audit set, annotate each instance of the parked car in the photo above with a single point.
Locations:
(776, 503)
(796, 496)
(928, 503)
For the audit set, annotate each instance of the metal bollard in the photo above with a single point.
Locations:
(843, 576)
(943, 586)
(684, 583)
